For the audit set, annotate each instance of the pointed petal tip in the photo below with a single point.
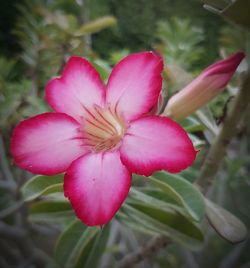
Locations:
(97, 185)
(226, 66)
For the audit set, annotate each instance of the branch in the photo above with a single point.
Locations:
(11, 232)
(228, 131)
(11, 209)
(144, 252)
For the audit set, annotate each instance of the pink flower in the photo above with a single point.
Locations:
(99, 135)
(204, 88)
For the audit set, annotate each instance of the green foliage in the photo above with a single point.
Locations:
(225, 224)
(167, 223)
(41, 185)
(180, 42)
(182, 191)
(80, 246)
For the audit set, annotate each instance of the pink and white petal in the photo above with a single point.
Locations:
(153, 143)
(47, 143)
(134, 84)
(79, 88)
(96, 185)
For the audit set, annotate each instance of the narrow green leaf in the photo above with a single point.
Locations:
(50, 211)
(126, 220)
(156, 197)
(207, 119)
(197, 142)
(185, 193)
(67, 241)
(76, 243)
(98, 248)
(80, 251)
(80, 246)
(225, 224)
(41, 185)
(191, 124)
(173, 225)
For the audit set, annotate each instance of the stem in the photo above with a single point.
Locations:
(11, 209)
(228, 131)
(146, 251)
(84, 17)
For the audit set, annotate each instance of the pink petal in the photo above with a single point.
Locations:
(225, 68)
(135, 84)
(154, 143)
(47, 143)
(79, 87)
(96, 185)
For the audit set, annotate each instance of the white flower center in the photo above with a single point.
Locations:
(103, 128)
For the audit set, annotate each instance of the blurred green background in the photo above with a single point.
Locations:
(38, 36)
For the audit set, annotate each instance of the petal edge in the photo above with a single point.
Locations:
(96, 185)
(154, 143)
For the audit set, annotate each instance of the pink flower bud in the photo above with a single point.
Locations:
(203, 88)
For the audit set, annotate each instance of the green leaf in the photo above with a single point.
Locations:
(41, 185)
(103, 68)
(170, 224)
(191, 124)
(185, 193)
(67, 241)
(51, 211)
(197, 142)
(156, 197)
(79, 246)
(125, 219)
(225, 224)
(98, 248)
(206, 118)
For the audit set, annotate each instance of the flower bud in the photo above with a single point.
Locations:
(203, 88)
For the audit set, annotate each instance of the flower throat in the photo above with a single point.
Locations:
(103, 128)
